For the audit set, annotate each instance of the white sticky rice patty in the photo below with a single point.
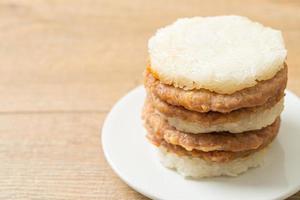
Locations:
(253, 121)
(223, 54)
(193, 167)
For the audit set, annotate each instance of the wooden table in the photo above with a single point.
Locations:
(65, 63)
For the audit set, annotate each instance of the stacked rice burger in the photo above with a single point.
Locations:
(215, 88)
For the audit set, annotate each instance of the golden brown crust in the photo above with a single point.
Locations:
(203, 100)
(209, 118)
(211, 156)
(216, 141)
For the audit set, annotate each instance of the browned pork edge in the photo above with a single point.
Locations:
(202, 100)
(216, 141)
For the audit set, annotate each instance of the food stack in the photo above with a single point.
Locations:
(215, 88)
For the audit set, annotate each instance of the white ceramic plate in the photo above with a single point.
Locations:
(135, 160)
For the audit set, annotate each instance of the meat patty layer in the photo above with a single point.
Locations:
(217, 141)
(211, 156)
(202, 100)
(237, 121)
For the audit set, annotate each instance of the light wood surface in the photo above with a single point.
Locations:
(64, 63)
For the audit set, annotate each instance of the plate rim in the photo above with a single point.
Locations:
(107, 157)
(124, 178)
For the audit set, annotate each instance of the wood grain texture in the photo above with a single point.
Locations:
(63, 65)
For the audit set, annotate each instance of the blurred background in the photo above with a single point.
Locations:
(64, 63)
(83, 55)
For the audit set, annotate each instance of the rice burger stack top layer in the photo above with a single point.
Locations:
(223, 54)
(215, 88)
